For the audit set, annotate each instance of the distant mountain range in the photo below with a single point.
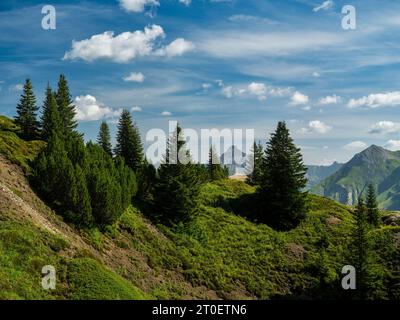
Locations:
(349, 182)
(315, 174)
(235, 160)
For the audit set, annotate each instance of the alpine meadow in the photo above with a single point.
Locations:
(199, 150)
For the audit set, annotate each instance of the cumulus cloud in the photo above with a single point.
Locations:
(255, 89)
(376, 100)
(177, 47)
(258, 89)
(135, 77)
(316, 126)
(355, 146)
(299, 98)
(136, 109)
(393, 145)
(89, 109)
(326, 5)
(166, 113)
(137, 5)
(126, 46)
(385, 127)
(334, 99)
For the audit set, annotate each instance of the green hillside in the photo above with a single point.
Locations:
(374, 165)
(218, 255)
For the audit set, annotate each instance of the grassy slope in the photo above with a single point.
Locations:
(219, 255)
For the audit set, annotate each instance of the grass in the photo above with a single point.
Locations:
(16, 150)
(89, 280)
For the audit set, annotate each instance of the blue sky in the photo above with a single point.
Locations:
(217, 64)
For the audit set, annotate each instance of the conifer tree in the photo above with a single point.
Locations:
(360, 248)
(50, 120)
(255, 165)
(281, 197)
(215, 170)
(177, 188)
(66, 107)
(373, 214)
(129, 145)
(27, 112)
(104, 138)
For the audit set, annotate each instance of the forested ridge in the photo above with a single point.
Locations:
(266, 238)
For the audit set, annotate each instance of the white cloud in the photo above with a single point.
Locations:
(186, 2)
(316, 74)
(255, 89)
(89, 109)
(17, 87)
(228, 92)
(166, 113)
(355, 146)
(206, 86)
(326, 5)
(334, 99)
(137, 5)
(258, 89)
(135, 77)
(126, 46)
(393, 145)
(299, 98)
(316, 126)
(136, 109)
(385, 127)
(177, 47)
(376, 100)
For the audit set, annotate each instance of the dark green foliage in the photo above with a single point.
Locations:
(129, 145)
(111, 185)
(255, 165)
(26, 113)
(65, 107)
(360, 249)
(178, 184)
(283, 203)
(373, 214)
(104, 138)
(215, 170)
(147, 178)
(50, 120)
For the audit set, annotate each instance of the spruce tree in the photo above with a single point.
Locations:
(104, 138)
(177, 189)
(360, 249)
(129, 145)
(255, 165)
(50, 120)
(215, 170)
(373, 214)
(66, 107)
(27, 112)
(281, 197)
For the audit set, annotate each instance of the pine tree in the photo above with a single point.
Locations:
(66, 107)
(129, 145)
(27, 111)
(215, 170)
(177, 189)
(104, 138)
(281, 197)
(147, 178)
(373, 214)
(50, 120)
(360, 248)
(255, 165)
